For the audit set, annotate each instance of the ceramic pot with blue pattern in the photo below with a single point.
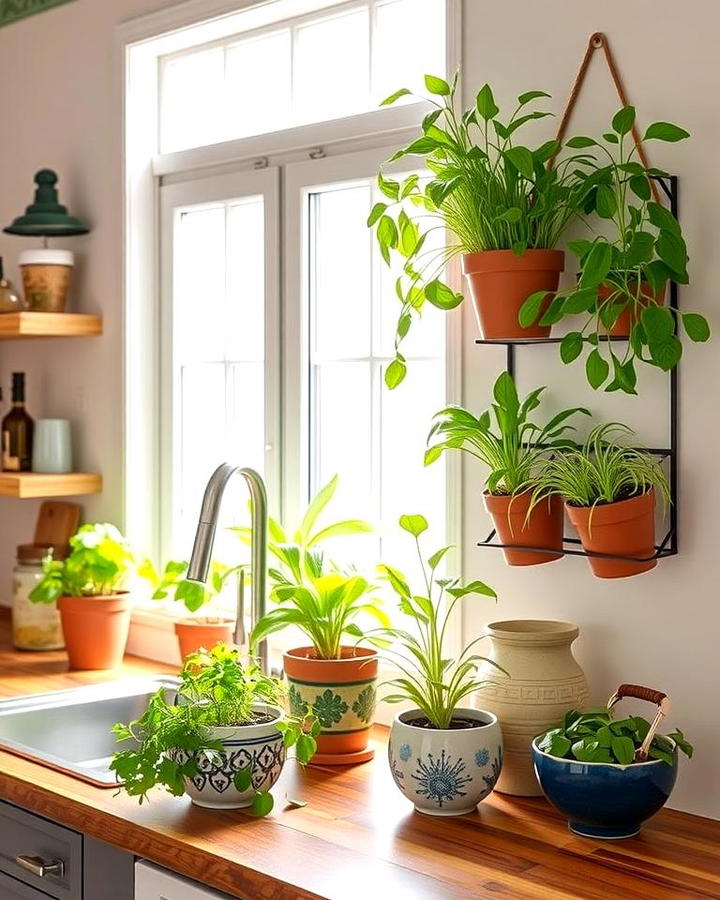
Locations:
(258, 746)
(604, 800)
(446, 772)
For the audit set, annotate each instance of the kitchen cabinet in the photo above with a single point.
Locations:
(154, 883)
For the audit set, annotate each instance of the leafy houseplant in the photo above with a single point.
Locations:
(623, 278)
(609, 490)
(194, 632)
(89, 589)
(221, 739)
(608, 775)
(332, 675)
(443, 756)
(515, 453)
(504, 209)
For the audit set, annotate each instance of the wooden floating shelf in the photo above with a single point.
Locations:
(14, 326)
(36, 484)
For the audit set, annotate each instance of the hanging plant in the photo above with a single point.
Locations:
(623, 278)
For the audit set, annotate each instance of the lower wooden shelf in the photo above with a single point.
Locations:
(26, 324)
(37, 484)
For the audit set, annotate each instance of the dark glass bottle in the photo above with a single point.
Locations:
(17, 430)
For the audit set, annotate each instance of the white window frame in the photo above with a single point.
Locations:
(139, 45)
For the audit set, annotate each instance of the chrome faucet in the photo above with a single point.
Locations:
(205, 537)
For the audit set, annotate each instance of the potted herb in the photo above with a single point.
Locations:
(609, 491)
(221, 737)
(195, 632)
(89, 589)
(445, 757)
(331, 674)
(623, 277)
(609, 775)
(515, 453)
(504, 210)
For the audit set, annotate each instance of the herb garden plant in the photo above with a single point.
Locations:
(515, 450)
(207, 740)
(623, 277)
(503, 208)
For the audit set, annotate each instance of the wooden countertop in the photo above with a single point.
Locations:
(358, 836)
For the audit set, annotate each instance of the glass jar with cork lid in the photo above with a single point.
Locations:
(35, 626)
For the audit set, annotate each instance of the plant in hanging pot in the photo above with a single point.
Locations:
(515, 453)
(443, 756)
(195, 632)
(504, 210)
(609, 775)
(623, 277)
(221, 737)
(610, 493)
(89, 589)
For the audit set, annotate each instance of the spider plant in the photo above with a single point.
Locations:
(516, 450)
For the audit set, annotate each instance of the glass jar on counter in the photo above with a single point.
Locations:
(35, 626)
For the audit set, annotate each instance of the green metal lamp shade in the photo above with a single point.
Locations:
(46, 217)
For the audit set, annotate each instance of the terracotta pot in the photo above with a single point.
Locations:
(192, 634)
(629, 316)
(625, 528)
(341, 693)
(545, 681)
(544, 528)
(500, 282)
(95, 629)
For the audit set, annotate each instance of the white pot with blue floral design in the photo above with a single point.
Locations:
(259, 747)
(446, 771)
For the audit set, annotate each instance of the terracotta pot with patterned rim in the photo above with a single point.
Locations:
(95, 629)
(341, 693)
(500, 282)
(628, 317)
(192, 634)
(543, 528)
(545, 681)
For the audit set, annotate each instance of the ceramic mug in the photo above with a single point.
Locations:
(52, 451)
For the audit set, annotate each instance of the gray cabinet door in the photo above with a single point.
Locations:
(10, 889)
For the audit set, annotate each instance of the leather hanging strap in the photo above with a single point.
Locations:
(598, 41)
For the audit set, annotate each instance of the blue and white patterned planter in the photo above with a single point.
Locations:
(258, 746)
(446, 772)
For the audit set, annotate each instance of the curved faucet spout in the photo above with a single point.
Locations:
(205, 537)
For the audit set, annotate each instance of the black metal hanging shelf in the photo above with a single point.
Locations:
(668, 546)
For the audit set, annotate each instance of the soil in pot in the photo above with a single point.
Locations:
(623, 528)
(455, 724)
(196, 633)
(95, 629)
(629, 316)
(500, 282)
(543, 528)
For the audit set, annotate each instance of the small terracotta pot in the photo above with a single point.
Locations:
(341, 693)
(629, 316)
(500, 282)
(625, 528)
(95, 629)
(192, 634)
(544, 527)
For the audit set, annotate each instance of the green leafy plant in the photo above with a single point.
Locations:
(593, 735)
(173, 734)
(99, 563)
(602, 471)
(431, 679)
(488, 191)
(516, 450)
(617, 273)
(192, 594)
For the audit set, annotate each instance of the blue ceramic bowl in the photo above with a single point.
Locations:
(604, 800)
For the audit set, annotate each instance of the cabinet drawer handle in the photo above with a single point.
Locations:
(40, 867)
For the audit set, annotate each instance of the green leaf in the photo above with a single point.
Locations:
(671, 249)
(511, 215)
(605, 202)
(242, 779)
(485, 103)
(530, 309)
(596, 369)
(640, 186)
(683, 744)
(611, 138)
(530, 95)
(696, 327)
(580, 142)
(597, 264)
(375, 213)
(387, 235)
(390, 188)
(665, 131)
(662, 218)
(395, 96)
(395, 373)
(522, 159)
(305, 748)
(436, 558)
(579, 301)
(262, 803)
(505, 393)
(623, 750)
(571, 347)
(441, 296)
(559, 746)
(623, 120)
(414, 524)
(658, 323)
(667, 354)
(437, 85)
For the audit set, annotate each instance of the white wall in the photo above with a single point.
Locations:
(62, 110)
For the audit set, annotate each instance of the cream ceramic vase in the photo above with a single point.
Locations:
(545, 681)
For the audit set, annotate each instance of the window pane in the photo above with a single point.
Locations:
(258, 84)
(192, 112)
(245, 324)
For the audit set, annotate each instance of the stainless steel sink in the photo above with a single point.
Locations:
(70, 730)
